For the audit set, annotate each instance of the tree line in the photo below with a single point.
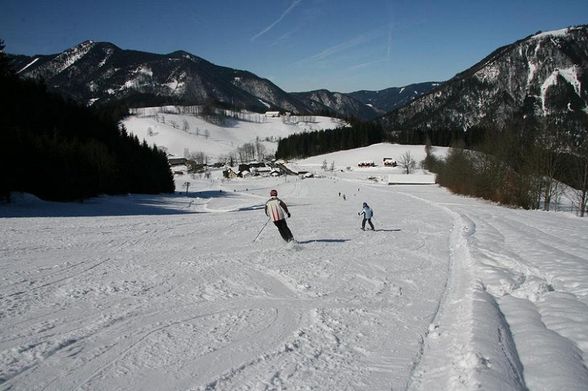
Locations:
(525, 166)
(58, 150)
(318, 142)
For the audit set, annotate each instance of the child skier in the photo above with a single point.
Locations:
(275, 208)
(367, 213)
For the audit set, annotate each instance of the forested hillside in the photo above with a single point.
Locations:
(59, 150)
(302, 145)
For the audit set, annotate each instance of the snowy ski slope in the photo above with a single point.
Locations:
(172, 292)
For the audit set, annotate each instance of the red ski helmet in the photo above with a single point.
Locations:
(274, 193)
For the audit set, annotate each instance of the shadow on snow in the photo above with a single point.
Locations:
(27, 205)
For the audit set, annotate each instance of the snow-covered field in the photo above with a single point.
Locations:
(172, 292)
(180, 133)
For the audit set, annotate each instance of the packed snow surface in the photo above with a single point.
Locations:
(173, 292)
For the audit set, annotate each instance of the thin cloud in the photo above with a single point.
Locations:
(342, 47)
(284, 14)
(366, 64)
(283, 38)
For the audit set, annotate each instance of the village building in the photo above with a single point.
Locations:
(176, 161)
(389, 162)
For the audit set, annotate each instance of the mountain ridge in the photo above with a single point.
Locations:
(541, 76)
(101, 72)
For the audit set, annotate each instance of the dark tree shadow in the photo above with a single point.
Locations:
(131, 205)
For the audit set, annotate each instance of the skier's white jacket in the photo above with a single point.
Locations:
(367, 212)
(274, 208)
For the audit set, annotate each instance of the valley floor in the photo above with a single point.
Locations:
(172, 292)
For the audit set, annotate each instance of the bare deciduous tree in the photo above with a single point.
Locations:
(581, 192)
(580, 169)
(246, 152)
(407, 162)
(259, 149)
(545, 157)
(199, 157)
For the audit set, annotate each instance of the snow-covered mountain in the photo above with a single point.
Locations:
(99, 71)
(542, 75)
(339, 104)
(102, 72)
(384, 101)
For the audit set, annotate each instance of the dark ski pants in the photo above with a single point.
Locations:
(369, 221)
(284, 230)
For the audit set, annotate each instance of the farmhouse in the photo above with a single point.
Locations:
(265, 170)
(389, 162)
(250, 166)
(176, 161)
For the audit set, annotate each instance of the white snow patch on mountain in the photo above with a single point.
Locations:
(133, 83)
(264, 103)
(109, 53)
(488, 73)
(549, 34)
(569, 74)
(71, 56)
(532, 70)
(28, 65)
(144, 70)
(175, 85)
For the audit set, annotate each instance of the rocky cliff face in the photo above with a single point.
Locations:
(542, 75)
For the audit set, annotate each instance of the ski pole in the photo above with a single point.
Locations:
(262, 228)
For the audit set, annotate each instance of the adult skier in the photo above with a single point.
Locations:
(367, 213)
(274, 209)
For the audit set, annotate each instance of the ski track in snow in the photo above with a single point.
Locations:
(450, 294)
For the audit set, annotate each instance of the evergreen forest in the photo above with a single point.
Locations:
(302, 145)
(60, 151)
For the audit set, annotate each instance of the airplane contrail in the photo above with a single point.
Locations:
(284, 14)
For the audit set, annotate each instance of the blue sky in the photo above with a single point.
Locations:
(301, 45)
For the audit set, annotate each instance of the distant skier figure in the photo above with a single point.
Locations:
(275, 208)
(367, 213)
